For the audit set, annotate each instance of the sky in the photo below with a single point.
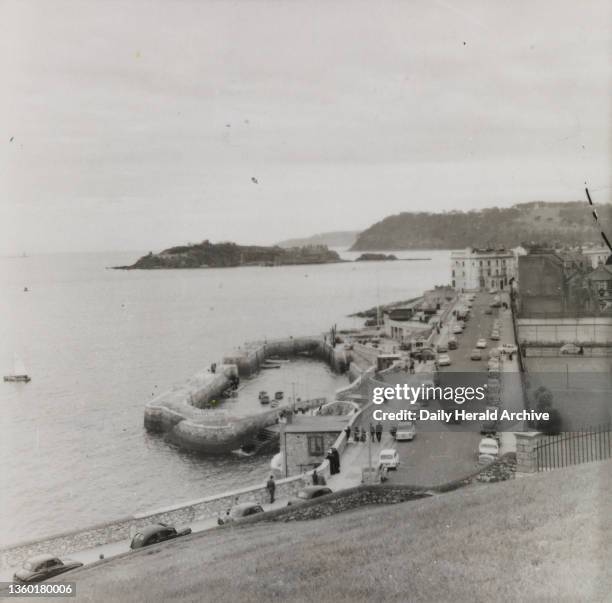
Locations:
(141, 125)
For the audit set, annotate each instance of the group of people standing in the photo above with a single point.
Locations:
(361, 434)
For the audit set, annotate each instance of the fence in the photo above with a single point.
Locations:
(563, 450)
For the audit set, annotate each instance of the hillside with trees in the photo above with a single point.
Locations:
(569, 223)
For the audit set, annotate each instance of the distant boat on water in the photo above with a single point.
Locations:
(19, 372)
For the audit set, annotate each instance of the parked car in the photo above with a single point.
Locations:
(452, 344)
(441, 347)
(444, 360)
(240, 511)
(309, 493)
(476, 354)
(507, 348)
(495, 335)
(481, 343)
(43, 567)
(389, 458)
(570, 348)
(405, 431)
(156, 533)
(457, 329)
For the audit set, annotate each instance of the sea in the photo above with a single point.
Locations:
(99, 343)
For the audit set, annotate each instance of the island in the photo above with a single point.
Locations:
(228, 255)
(375, 257)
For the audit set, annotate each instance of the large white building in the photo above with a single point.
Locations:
(473, 269)
(596, 255)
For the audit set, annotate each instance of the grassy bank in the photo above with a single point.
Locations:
(544, 537)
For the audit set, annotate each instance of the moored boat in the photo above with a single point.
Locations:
(19, 374)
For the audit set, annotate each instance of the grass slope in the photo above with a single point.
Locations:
(544, 537)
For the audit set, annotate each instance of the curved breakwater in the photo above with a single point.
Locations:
(181, 412)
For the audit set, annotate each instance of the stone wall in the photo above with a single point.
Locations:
(526, 443)
(118, 530)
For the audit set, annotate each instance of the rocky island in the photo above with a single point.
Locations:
(375, 257)
(228, 255)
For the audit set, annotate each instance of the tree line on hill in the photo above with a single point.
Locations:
(559, 224)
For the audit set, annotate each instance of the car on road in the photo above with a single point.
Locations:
(570, 349)
(442, 347)
(476, 354)
(495, 335)
(452, 343)
(457, 329)
(389, 458)
(507, 348)
(481, 343)
(240, 511)
(405, 431)
(43, 567)
(488, 450)
(444, 360)
(156, 533)
(309, 493)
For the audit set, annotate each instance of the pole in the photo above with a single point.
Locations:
(293, 394)
(283, 439)
(370, 456)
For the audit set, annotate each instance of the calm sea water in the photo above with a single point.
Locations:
(99, 343)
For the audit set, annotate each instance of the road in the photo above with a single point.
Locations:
(443, 452)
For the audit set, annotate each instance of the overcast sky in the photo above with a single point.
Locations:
(140, 125)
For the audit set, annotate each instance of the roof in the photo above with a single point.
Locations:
(316, 424)
(40, 558)
(151, 529)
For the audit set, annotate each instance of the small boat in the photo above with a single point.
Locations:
(278, 360)
(262, 393)
(19, 372)
(274, 404)
(278, 396)
(265, 399)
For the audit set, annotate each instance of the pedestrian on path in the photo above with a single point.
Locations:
(315, 478)
(347, 431)
(271, 488)
(412, 366)
(356, 433)
(372, 432)
(379, 430)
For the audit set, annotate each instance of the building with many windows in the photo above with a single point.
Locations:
(473, 269)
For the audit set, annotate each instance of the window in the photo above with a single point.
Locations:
(315, 445)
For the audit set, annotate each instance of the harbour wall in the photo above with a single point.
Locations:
(183, 415)
(179, 515)
(250, 358)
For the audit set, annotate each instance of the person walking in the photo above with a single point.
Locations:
(356, 433)
(412, 366)
(379, 430)
(271, 488)
(372, 432)
(315, 478)
(347, 431)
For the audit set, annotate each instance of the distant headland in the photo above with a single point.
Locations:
(229, 255)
